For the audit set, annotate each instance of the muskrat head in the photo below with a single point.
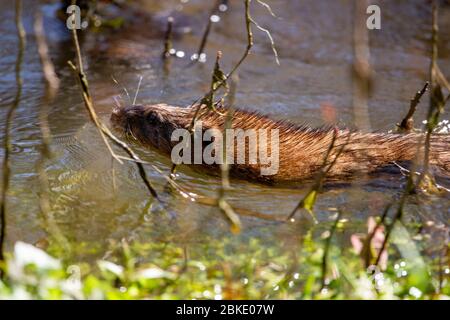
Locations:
(149, 124)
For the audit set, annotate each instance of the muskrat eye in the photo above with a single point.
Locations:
(154, 117)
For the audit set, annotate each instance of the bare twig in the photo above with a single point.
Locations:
(308, 201)
(407, 123)
(409, 189)
(436, 107)
(265, 5)
(9, 118)
(214, 11)
(223, 204)
(269, 35)
(105, 133)
(437, 103)
(223, 81)
(437, 100)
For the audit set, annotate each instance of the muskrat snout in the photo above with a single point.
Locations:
(122, 116)
(117, 118)
(137, 120)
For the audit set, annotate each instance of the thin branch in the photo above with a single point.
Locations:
(265, 5)
(223, 204)
(407, 123)
(223, 81)
(325, 168)
(272, 42)
(214, 11)
(410, 187)
(437, 100)
(105, 133)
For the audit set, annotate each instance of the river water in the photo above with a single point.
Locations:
(93, 206)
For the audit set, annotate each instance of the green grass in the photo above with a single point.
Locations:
(225, 269)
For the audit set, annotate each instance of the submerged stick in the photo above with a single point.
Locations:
(214, 10)
(8, 124)
(168, 38)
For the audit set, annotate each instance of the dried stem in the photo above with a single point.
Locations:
(310, 197)
(214, 10)
(407, 124)
(222, 82)
(105, 133)
(9, 118)
(223, 204)
(437, 100)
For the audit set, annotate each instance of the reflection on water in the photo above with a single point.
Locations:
(96, 201)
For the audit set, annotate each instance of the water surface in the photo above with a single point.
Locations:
(314, 42)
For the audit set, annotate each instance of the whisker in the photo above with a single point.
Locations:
(137, 91)
(129, 132)
(117, 102)
(123, 87)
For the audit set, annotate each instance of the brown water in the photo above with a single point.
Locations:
(314, 42)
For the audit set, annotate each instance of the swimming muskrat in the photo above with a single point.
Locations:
(301, 149)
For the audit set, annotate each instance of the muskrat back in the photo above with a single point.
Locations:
(301, 149)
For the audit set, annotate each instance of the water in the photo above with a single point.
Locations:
(314, 42)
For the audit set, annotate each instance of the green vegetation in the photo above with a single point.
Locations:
(398, 258)
(223, 269)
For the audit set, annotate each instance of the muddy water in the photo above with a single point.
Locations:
(95, 202)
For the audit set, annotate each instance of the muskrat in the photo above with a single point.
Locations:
(301, 149)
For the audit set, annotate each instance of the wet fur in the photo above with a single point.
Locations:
(302, 149)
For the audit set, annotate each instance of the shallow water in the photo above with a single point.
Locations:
(314, 42)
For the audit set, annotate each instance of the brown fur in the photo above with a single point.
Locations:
(302, 149)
